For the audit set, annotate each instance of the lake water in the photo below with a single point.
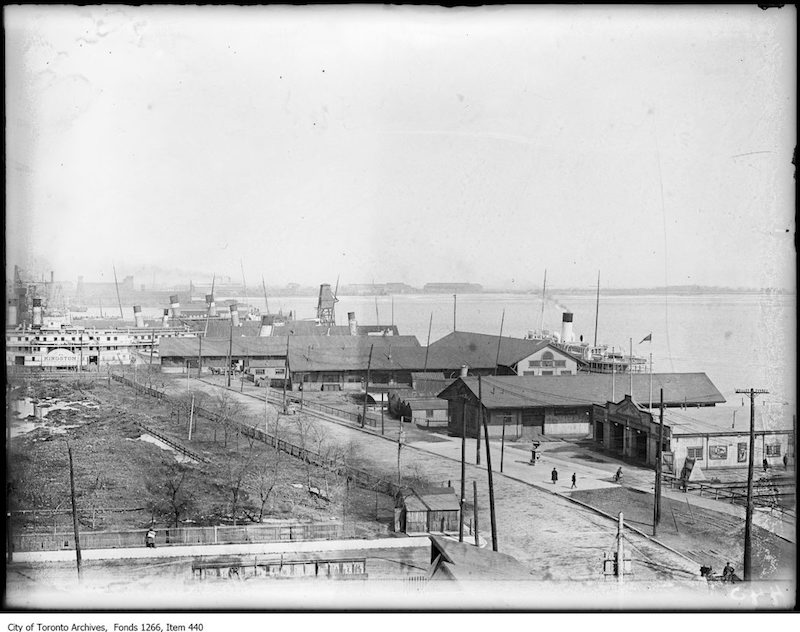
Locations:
(738, 340)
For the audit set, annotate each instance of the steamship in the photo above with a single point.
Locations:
(597, 358)
(40, 339)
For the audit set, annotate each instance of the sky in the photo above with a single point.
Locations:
(403, 144)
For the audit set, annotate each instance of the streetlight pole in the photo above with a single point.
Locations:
(748, 519)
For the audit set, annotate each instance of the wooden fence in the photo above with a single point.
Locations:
(354, 475)
(182, 536)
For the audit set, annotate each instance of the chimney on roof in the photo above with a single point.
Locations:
(566, 327)
(212, 306)
(351, 320)
(234, 315)
(174, 304)
(464, 370)
(37, 311)
(11, 312)
(266, 325)
(137, 316)
(165, 318)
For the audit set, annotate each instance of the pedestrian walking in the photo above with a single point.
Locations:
(766, 465)
(727, 573)
(574, 478)
(554, 476)
(150, 538)
(618, 475)
(785, 462)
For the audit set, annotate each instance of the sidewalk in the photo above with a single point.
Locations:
(264, 548)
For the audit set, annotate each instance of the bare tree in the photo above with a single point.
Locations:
(236, 473)
(227, 411)
(262, 479)
(172, 492)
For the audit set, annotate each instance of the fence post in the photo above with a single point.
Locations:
(215, 534)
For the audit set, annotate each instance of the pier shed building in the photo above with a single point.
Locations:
(559, 406)
(712, 437)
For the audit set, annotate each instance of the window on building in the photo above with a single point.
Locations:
(534, 363)
(566, 373)
(774, 449)
(429, 413)
(507, 420)
(561, 363)
(547, 373)
(547, 355)
(278, 371)
(695, 452)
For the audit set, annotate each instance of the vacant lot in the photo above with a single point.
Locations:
(123, 479)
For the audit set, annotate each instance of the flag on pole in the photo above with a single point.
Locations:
(647, 338)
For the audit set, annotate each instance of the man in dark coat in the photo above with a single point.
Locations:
(554, 476)
(574, 478)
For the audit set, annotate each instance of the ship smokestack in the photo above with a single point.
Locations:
(137, 316)
(234, 315)
(174, 304)
(165, 318)
(212, 306)
(351, 320)
(11, 312)
(566, 327)
(266, 325)
(464, 370)
(37, 311)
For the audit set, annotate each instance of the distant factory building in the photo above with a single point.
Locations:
(560, 406)
(452, 288)
(485, 354)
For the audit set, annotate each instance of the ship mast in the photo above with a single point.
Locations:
(597, 308)
(116, 285)
(544, 289)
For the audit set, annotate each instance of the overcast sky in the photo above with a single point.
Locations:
(404, 144)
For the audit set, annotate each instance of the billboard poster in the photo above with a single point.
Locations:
(741, 453)
(718, 452)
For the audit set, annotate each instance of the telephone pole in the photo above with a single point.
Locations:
(657, 489)
(74, 512)
(748, 518)
(463, 470)
(482, 414)
(366, 386)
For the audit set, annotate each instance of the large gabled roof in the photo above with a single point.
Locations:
(586, 389)
(480, 351)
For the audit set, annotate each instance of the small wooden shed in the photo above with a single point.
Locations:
(430, 510)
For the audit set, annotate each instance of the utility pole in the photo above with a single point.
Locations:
(478, 433)
(74, 512)
(748, 520)
(475, 508)
(488, 467)
(191, 417)
(657, 488)
(399, 448)
(366, 387)
(230, 352)
(620, 550)
(285, 375)
(463, 469)
(499, 340)
(502, 445)
(199, 356)
(116, 285)
(428, 345)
